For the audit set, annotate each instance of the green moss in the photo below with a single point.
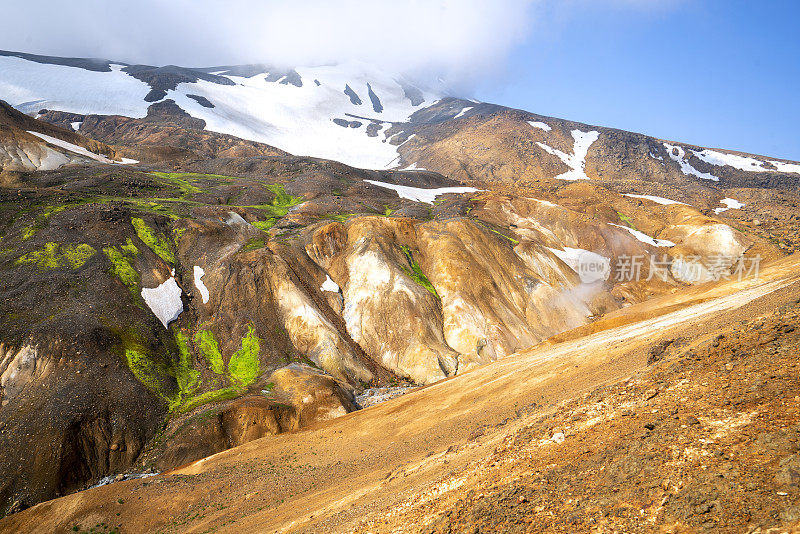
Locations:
(209, 348)
(243, 366)
(45, 258)
(254, 244)
(145, 369)
(121, 268)
(627, 220)
(54, 256)
(416, 274)
(279, 206)
(157, 374)
(387, 211)
(157, 244)
(181, 181)
(129, 248)
(501, 234)
(77, 256)
(177, 234)
(210, 396)
(339, 217)
(29, 232)
(185, 374)
(265, 225)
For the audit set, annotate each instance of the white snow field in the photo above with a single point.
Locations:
(644, 238)
(30, 86)
(300, 119)
(678, 154)
(419, 194)
(164, 301)
(657, 200)
(729, 203)
(577, 160)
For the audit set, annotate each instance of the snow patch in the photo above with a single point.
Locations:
(76, 125)
(644, 238)
(541, 125)
(461, 113)
(418, 194)
(729, 203)
(657, 200)
(413, 167)
(577, 160)
(72, 148)
(721, 159)
(164, 301)
(329, 285)
(678, 154)
(198, 283)
(743, 163)
(782, 166)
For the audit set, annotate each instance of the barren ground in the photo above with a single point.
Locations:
(705, 437)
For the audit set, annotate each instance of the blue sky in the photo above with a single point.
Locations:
(718, 73)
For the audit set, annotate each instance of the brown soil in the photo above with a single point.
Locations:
(487, 437)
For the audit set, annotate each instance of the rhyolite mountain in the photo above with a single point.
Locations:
(191, 259)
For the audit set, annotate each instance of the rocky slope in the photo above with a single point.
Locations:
(521, 427)
(29, 145)
(216, 290)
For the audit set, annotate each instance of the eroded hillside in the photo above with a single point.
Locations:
(170, 291)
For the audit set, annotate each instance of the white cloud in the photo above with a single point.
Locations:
(456, 39)
(452, 37)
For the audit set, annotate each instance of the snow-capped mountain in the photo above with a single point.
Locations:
(339, 112)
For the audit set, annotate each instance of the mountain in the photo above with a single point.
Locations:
(192, 259)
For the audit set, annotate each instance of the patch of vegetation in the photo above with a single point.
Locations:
(210, 396)
(339, 217)
(627, 220)
(121, 267)
(129, 248)
(157, 244)
(209, 348)
(243, 366)
(265, 225)
(157, 373)
(254, 243)
(279, 206)
(387, 211)
(145, 369)
(185, 374)
(29, 232)
(45, 213)
(54, 256)
(501, 234)
(77, 255)
(416, 274)
(181, 181)
(177, 234)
